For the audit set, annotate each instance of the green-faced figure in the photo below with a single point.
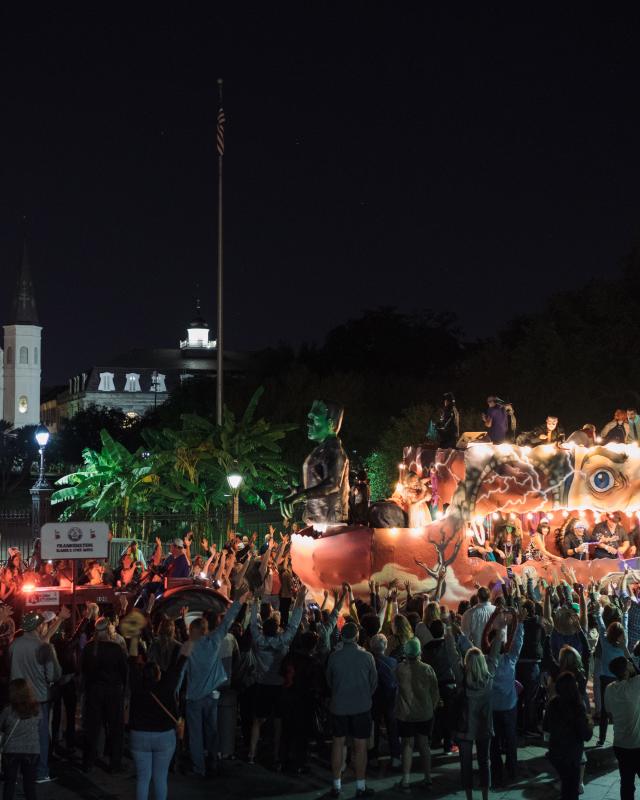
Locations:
(325, 473)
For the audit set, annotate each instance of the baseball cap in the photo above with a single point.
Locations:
(349, 632)
(102, 623)
(48, 616)
(31, 620)
(580, 525)
(178, 543)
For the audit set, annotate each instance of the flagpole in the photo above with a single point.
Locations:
(219, 338)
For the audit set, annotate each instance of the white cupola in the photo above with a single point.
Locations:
(198, 333)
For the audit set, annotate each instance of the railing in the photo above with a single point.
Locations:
(15, 531)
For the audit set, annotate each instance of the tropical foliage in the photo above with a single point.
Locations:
(111, 482)
(180, 471)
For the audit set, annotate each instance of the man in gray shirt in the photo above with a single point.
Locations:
(34, 659)
(352, 678)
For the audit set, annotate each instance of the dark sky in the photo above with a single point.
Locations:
(398, 154)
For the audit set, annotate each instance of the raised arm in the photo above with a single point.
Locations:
(453, 655)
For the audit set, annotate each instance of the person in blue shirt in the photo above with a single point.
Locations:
(205, 672)
(505, 707)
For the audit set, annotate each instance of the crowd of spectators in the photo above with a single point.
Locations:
(275, 678)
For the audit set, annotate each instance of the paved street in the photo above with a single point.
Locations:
(246, 783)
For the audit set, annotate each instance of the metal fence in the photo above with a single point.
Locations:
(15, 531)
(15, 528)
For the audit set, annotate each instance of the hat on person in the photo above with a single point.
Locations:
(177, 543)
(349, 632)
(544, 521)
(31, 620)
(580, 525)
(48, 616)
(102, 623)
(412, 648)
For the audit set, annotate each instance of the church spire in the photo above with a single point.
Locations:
(24, 302)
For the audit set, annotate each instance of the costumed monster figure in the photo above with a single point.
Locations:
(325, 473)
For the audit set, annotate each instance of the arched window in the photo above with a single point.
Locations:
(158, 382)
(132, 383)
(35, 355)
(106, 382)
(9, 355)
(24, 355)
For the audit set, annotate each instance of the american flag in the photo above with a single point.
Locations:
(220, 131)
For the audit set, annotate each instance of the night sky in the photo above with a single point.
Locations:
(376, 154)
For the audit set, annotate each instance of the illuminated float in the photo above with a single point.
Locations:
(474, 486)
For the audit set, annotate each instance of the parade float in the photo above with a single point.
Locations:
(447, 499)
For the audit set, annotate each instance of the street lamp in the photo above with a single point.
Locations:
(41, 490)
(42, 438)
(234, 479)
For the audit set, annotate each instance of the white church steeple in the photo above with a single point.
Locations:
(22, 354)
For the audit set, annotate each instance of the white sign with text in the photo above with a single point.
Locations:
(74, 540)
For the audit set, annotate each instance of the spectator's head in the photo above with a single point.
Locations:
(631, 414)
(473, 600)
(615, 634)
(437, 629)
(414, 619)
(349, 633)
(402, 628)
(431, 612)
(105, 629)
(213, 619)
(308, 641)
(483, 594)
(552, 423)
(463, 606)
(475, 666)
(33, 621)
(167, 628)
(22, 699)
(619, 415)
(197, 629)
(378, 644)
(270, 626)
(177, 548)
(567, 689)
(570, 660)
(371, 624)
(412, 649)
(529, 608)
(621, 668)
(265, 611)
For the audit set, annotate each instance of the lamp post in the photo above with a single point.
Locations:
(41, 490)
(234, 479)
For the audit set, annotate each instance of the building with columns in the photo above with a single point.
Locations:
(21, 356)
(139, 380)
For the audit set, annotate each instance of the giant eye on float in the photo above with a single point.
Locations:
(458, 518)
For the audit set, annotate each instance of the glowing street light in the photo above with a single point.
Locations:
(234, 479)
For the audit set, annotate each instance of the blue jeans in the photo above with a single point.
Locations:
(43, 736)
(202, 728)
(152, 751)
